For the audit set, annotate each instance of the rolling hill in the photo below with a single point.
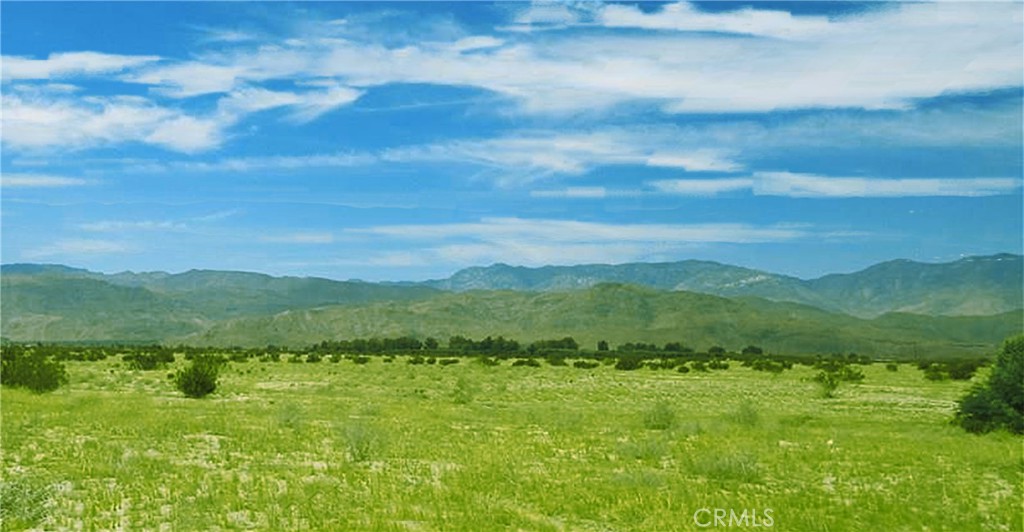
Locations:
(898, 307)
(622, 313)
(970, 286)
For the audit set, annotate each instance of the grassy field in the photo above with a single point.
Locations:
(392, 446)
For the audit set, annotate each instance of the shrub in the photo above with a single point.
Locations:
(463, 392)
(22, 502)
(747, 415)
(585, 364)
(660, 417)
(526, 362)
(148, 361)
(829, 382)
(448, 361)
(699, 365)
(999, 402)
(199, 379)
(33, 370)
(628, 363)
(313, 358)
(363, 442)
(683, 369)
(892, 366)
(361, 359)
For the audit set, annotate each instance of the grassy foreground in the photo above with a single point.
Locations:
(391, 446)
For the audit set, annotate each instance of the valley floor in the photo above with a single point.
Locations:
(392, 446)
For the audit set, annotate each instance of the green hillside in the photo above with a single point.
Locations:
(971, 286)
(623, 313)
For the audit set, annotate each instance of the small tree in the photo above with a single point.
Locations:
(199, 379)
(998, 403)
(20, 367)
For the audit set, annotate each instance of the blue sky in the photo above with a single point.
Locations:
(403, 141)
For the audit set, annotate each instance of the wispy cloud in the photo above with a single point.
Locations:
(526, 157)
(819, 186)
(816, 186)
(702, 187)
(552, 241)
(59, 65)
(46, 122)
(556, 231)
(15, 180)
(301, 238)
(683, 16)
(75, 248)
(584, 192)
(121, 226)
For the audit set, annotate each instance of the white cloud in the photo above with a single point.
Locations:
(70, 64)
(528, 157)
(683, 16)
(120, 226)
(301, 238)
(572, 192)
(189, 79)
(187, 134)
(702, 187)
(73, 248)
(564, 231)
(44, 122)
(815, 186)
(15, 180)
(544, 241)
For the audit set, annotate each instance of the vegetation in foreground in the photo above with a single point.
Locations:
(479, 444)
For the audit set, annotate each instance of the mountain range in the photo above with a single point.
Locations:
(899, 307)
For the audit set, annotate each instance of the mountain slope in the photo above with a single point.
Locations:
(621, 313)
(970, 286)
(56, 303)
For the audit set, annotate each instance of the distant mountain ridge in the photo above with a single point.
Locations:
(970, 286)
(962, 306)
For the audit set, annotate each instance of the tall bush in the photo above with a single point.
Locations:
(199, 379)
(25, 368)
(999, 402)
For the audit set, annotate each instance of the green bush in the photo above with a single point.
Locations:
(23, 368)
(199, 379)
(660, 417)
(998, 403)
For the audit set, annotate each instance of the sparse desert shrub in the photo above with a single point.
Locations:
(22, 503)
(999, 402)
(718, 364)
(935, 372)
(651, 450)
(363, 442)
(32, 370)
(829, 382)
(148, 361)
(660, 417)
(738, 467)
(747, 415)
(199, 378)
(765, 364)
(463, 392)
(628, 363)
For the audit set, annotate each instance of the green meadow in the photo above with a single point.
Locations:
(394, 446)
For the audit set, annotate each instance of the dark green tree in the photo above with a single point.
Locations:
(998, 403)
